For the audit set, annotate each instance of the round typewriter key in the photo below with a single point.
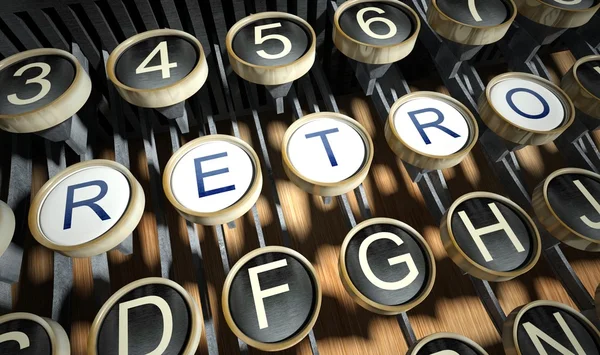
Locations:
(558, 13)
(40, 89)
(547, 327)
(271, 48)
(582, 84)
(87, 209)
(158, 68)
(525, 109)
(271, 298)
(326, 153)
(375, 32)
(446, 344)
(28, 334)
(386, 266)
(430, 130)
(567, 205)
(148, 316)
(490, 237)
(7, 226)
(213, 179)
(473, 22)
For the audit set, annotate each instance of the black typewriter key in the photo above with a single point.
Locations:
(490, 237)
(476, 12)
(572, 4)
(547, 327)
(40, 89)
(582, 84)
(446, 344)
(158, 68)
(148, 316)
(567, 203)
(271, 298)
(29, 334)
(375, 32)
(558, 13)
(386, 266)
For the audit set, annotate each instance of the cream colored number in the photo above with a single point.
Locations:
(45, 84)
(597, 69)
(259, 39)
(366, 25)
(164, 67)
(474, 11)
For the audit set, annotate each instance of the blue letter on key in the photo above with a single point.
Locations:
(200, 175)
(91, 203)
(437, 123)
(512, 105)
(323, 135)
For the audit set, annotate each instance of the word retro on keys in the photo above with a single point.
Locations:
(213, 179)
(567, 205)
(87, 209)
(149, 316)
(490, 237)
(525, 109)
(473, 22)
(386, 266)
(558, 13)
(446, 344)
(375, 32)
(547, 327)
(271, 298)
(431, 130)
(582, 84)
(28, 334)
(326, 153)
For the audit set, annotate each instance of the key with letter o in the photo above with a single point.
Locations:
(582, 84)
(525, 109)
(431, 130)
(148, 316)
(326, 153)
(490, 237)
(271, 298)
(548, 327)
(375, 32)
(87, 209)
(446, 344)
(41, 88)
(567, 204)
(213, 179)
(386, 266)
(471, 22)
(558, 13)
(29, 334)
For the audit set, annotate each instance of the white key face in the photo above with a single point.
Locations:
(326, 150)
(431, 126)
(527, 104)
(84, 205)
(212, 176)
(7, 226)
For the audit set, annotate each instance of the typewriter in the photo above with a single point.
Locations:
(307, 177)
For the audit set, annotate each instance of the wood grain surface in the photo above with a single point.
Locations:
(316, 230)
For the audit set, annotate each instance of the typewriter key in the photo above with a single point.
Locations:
(446, 344)
(326, 153)
(87, 209)
(490, 237)
(40, 89)
(271, 48)
(375, 32)
(7, 227)
(582, 84)
(148, 316)
(28, 334)
(567, 205)
(547, 327)
(558, 13)
(158, 68)
(213, 179)
(430, 130)
(473, 22)
(386, 266)
(271, 298)
(525, 109)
